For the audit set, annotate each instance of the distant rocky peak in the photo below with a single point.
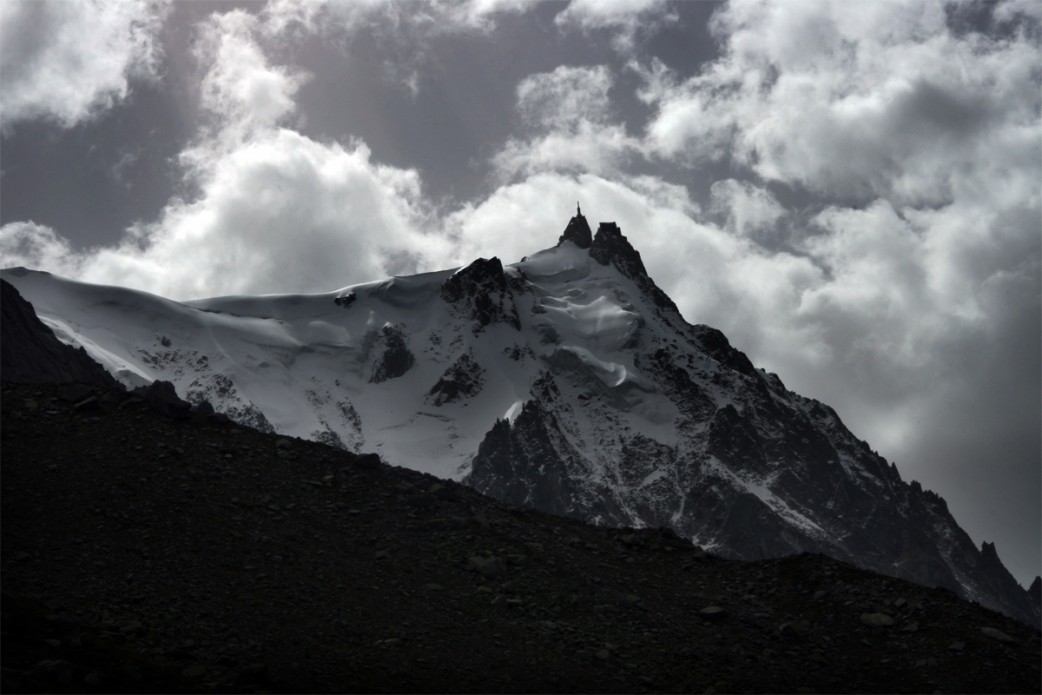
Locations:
(578, 231)
(611, 247)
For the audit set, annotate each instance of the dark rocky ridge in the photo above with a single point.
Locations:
(29, 352)
(144, 554)
(611, 247)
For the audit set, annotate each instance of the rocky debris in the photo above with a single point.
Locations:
(713, 613)
(489, 567)
(997, 635)
(30, 353)
(196, 556)
(876, 619)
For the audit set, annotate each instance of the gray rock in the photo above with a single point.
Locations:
(490, 566)
(998, 635)
(713, 613)
(163, 399)
(876, 619)
(368, 461)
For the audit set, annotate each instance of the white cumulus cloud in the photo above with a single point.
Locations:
(68, 61)
(569, 112)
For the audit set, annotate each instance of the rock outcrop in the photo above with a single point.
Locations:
(578, 232)
(480, 292)
(30, 353)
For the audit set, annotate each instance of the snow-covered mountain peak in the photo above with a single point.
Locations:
(566, 381)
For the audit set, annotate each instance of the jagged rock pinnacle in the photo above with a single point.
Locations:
(610, 246)
(578, 231)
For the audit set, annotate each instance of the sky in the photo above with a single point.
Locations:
(849, 190)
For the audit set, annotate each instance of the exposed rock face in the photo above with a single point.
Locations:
(393, 357)
(29, 352)
(578, 232)
(462, 380)
(480, 292)
(214, 387)
(610, 247)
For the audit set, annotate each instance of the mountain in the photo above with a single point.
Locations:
(567, 382)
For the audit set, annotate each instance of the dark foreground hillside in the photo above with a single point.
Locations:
(140, 553)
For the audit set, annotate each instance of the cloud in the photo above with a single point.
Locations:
(32, 245)
(746, 209)
(275, 210)
(279, 213)
(850, 99)
(926, 176)
(318, 16)
(588, 148)
(566, 96)
(627, 18)
(569, 113)
(242, 89)
(68, 61)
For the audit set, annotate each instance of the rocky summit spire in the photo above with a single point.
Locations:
(578, 231)
(610, 246)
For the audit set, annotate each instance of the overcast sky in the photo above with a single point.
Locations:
(849, 190)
